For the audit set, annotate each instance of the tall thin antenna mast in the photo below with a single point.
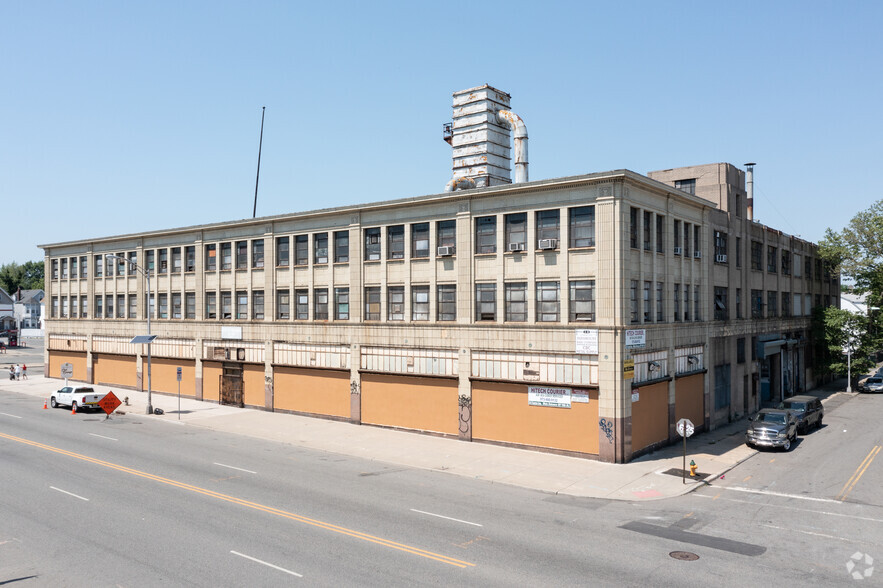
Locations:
(258, 177)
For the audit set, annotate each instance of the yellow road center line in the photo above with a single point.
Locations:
(859, 472)
(254, 505)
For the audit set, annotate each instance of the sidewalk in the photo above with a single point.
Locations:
(715, 452)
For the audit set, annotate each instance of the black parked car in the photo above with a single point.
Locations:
(772, 427)
(808, 411)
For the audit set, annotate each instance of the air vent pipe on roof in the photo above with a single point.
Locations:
(749, 183)
(507, 117)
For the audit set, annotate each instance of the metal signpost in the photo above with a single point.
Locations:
(67, 371)
(685, 429)
(179, 394)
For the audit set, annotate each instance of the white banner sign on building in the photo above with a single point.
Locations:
(586, 342)
(231, 333)
(577, 395)
(543, 396)
(635, 338)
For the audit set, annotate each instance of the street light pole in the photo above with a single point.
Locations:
(146, 274)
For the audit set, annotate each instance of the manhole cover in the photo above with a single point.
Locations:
(684, 555)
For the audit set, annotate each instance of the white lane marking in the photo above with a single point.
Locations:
(234, 468)
(432, 514)
(821, 512)
(103, 437)
(69, 493)
(817, 534)
(780, 494)
(266, 564)
(10, 415)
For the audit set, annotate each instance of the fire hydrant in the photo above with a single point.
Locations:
(693, 468)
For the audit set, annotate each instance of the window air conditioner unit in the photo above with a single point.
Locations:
(697, 254)
(548, 244)
(720, 259)
(679, 250)
(516, 247)
(446, 251)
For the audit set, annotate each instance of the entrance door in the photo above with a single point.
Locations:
(231, 385)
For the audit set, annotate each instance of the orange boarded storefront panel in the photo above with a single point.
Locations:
(500, 412)
(650, 416)
(115, 370)
(211, 380)
(253, 385)
(424, 404)
(77, 359)
(164, 376)
(690, 399)
(324, 392)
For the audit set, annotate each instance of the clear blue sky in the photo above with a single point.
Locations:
(120, 117)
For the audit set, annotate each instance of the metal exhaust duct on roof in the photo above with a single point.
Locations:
(480, 136)
(520, 142)
(749, 184)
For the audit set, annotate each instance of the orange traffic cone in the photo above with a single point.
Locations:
(45, 406)
(74, 409)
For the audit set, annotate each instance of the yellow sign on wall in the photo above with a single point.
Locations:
(628, 369)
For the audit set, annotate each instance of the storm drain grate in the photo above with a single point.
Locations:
(684, 555)
(679, 473)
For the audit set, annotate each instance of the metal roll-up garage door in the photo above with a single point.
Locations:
(164, 376)
(253, 388)
(211, 380)
(77, 359)
(423, 404)
(650, 416)
(690, 399)
(500, 412)
(312, 391)
(115, 370)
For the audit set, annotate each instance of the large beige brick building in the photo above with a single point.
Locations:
(584, 314)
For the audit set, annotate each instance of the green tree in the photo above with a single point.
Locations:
(857, 252)
(837, 330)
(27, 276)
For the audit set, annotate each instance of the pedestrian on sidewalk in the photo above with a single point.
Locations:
(11, 372)
(24, 372)
(17, 372)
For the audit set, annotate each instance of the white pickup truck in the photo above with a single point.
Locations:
(76, 397)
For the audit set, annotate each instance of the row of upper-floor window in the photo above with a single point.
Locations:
(647, 230)
(648, 299)
(767, 303)
(333, 247)
(333, 304)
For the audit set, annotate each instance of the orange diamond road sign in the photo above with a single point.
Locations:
(109, 403)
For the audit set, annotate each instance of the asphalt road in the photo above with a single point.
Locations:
(132, 501)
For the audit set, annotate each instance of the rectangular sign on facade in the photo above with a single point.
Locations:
(234, 333)
(586, 342)
(635, 338)
(577, 395)
(543, 396)
(628, 369)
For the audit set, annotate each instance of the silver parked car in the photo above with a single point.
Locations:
(872, 384)
(772, 427)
